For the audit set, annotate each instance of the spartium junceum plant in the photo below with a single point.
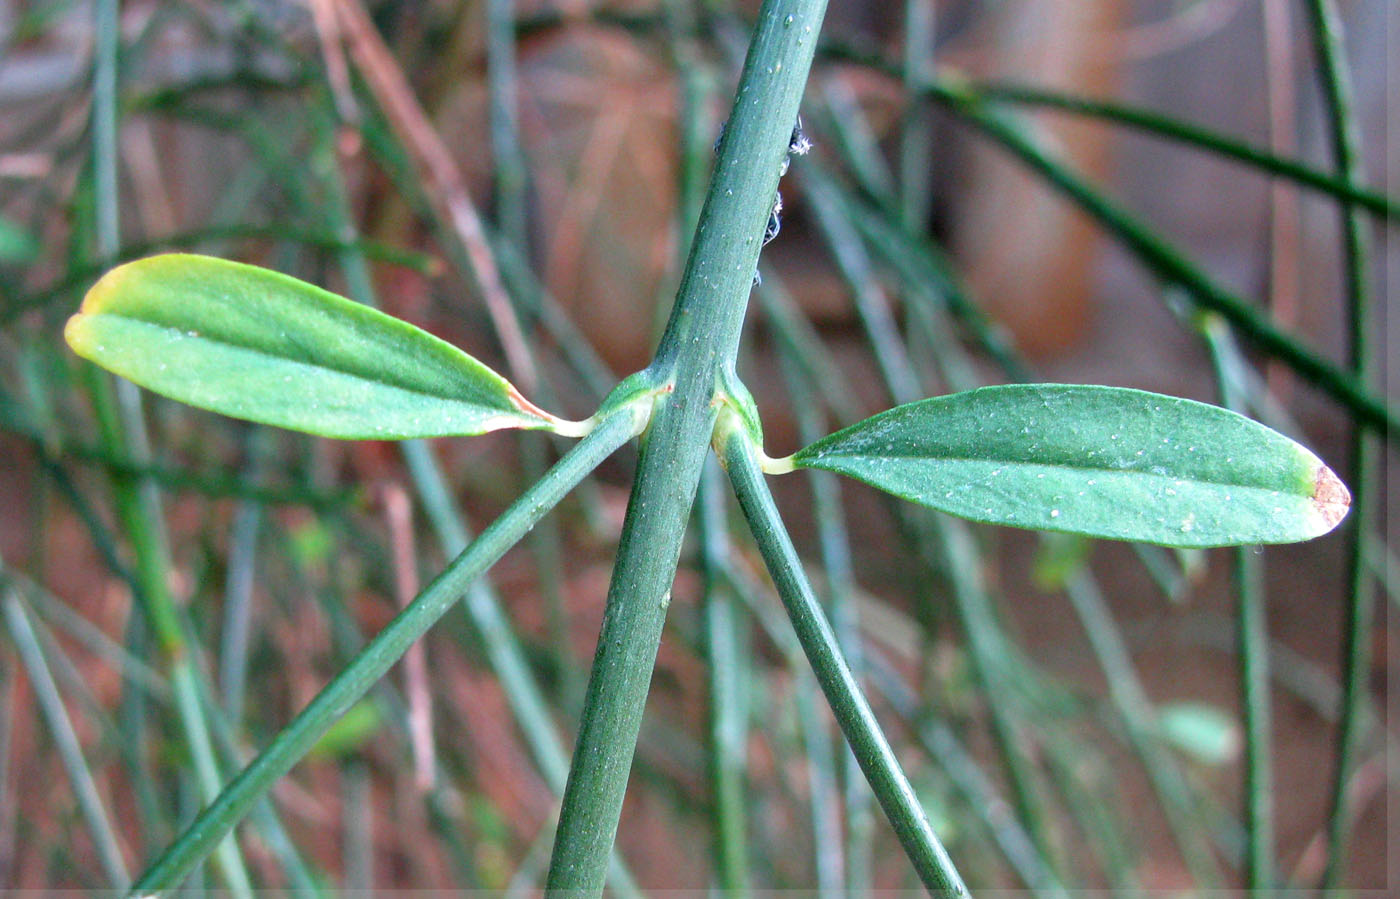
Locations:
(1097, 461)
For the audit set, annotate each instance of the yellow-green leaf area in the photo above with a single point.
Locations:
(255, 344)
(1098, 461)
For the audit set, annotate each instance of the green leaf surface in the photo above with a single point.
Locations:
(1099, 461)
(1203, 731)
(255, 344)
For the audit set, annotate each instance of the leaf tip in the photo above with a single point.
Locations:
(77, 331)
(1330, 499)
(104, 293)
(74, 331)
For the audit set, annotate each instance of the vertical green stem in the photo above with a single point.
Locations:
(1365, 457)
(124, 433)
(843, 693)
(238, 593)
(65, 740)
(834, 540)
(829, 852)
(1252, 641)
(1139, 721)
(916, 135)
(963, 562)
(695, 361)
(509, 169)
(728, 709)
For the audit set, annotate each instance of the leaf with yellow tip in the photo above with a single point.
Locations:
(254, 344)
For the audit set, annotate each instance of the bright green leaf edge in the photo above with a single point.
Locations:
(1098, 461)
(258, 345)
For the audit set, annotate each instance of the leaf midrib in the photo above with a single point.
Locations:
(506, 408)
(1058, 466)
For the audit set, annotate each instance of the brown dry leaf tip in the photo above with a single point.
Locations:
(1330, 497)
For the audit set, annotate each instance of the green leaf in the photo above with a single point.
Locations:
(255, 344)
(1203, 731)
(1099, 461)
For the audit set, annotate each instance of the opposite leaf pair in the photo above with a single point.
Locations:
(1098, 461)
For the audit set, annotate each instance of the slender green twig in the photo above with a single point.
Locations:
(1158, 254)
(969, 779)
(1138, 715)
(724, 629)
(238, 592)
(843, 693)
(481, 602)
(1252, 636)
(293, 741)
(1330, 51)
(1204, 139)
(99, 825)
(1169, 264)
(728, 712)
(828, 849)
(833, 539)
(695, 360)
(916, 131)
(510, 170)
(971, 599)
(123, 429)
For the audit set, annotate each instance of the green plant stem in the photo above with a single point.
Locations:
(1138, 715)
(970, 596)
(1252, 635)
(510, 171)
(124, 434)
(916, 132)
(968, 779)
(843, 693)
(1204, 139)
(829, 851)
(481, 602)
(1168, 263)
(727, 670)
(1330, 51)
(725, 631)
(295, 740)
(238, 592)
(264, 813)
(1252, 642)
(833, 539)
(482, 605)
(696, 360)
(65, 740)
